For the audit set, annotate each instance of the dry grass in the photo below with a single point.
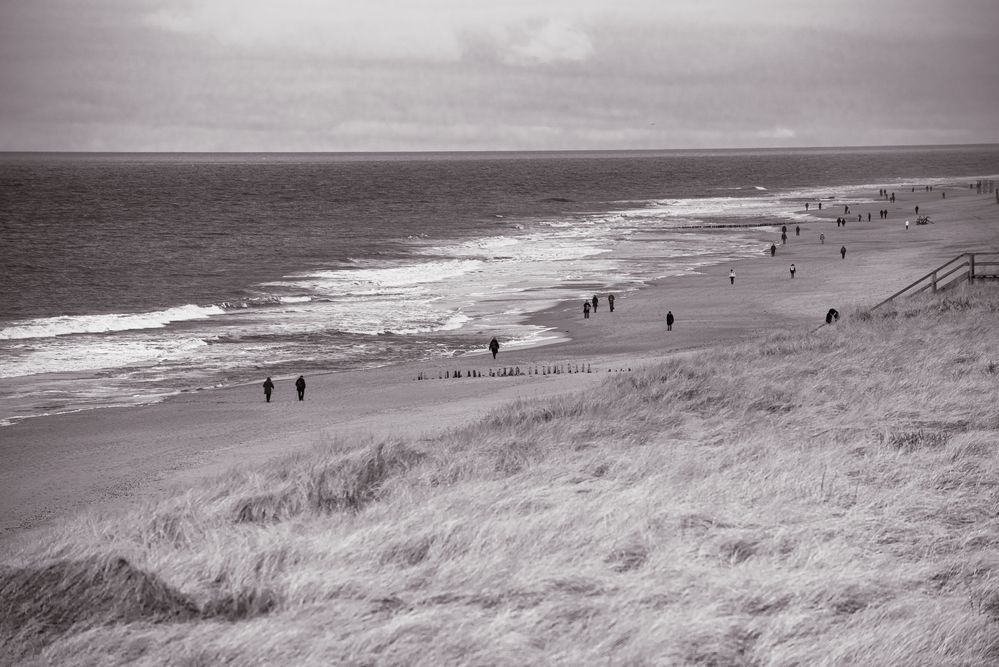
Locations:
(818, 499)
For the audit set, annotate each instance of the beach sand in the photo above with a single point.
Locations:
(99, 459)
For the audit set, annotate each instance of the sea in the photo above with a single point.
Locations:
(128, 278)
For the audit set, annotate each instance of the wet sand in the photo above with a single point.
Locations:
(98, 459)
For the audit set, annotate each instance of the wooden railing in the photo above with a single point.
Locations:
(966, 267)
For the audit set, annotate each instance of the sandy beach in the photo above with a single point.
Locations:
(98, 459)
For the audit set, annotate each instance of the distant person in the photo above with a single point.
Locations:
(832, 316)
(806, 205)
(868, 217)
(846, 209)
(731, 276)
(586, 310)
(783, 238)
(860, 217)
(494, 347)
(268, 388)
(300, 387)
(822, 238)
(906, 225)
(797, 230)
(792, 271)
(820, 206)
(773, 249)
(917, 210)
(610, 302)
(669, 320)
(943, 195)
(842, 252)
(595, 302)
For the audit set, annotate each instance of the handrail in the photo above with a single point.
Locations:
(969, 260)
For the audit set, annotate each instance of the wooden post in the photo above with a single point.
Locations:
(934, 281)
(971, 270)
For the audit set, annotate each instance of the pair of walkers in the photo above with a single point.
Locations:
(299, 387)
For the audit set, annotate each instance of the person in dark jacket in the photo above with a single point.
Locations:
(494, 347)
(610, 302)
(792, 270)
(586, 310)
(268, 388)
(300, 386)
(595, 302)
(842, 252)
(669, 320)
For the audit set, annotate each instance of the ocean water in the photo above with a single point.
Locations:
(127, 278)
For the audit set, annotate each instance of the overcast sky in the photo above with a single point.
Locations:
(364, 75)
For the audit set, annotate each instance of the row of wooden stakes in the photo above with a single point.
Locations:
(509, 371)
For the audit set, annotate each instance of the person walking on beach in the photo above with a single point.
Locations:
(595, 302)
(917, 210)
(797, 230)
(268, 388)
(494, 347)
(822, 238)
(731, 276)
(906, 225)
(300, 387)
(783, 238)
(806, 205)
(842, 252)
(792, 271)
(610, 302)
(586, 310)
(669, 320)
(773, 249)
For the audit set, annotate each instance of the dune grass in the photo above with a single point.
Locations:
(804, 499)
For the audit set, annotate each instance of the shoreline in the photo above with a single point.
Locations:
(56, 465)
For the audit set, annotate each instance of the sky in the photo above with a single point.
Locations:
(449, 75)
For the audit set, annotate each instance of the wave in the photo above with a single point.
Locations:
(71, 355)
(67, 325)
(346, 282)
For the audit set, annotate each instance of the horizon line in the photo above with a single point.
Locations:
(440, 151)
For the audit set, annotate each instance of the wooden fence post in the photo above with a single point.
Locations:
(971, 270)
(934, 281)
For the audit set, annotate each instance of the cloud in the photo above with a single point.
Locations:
(439, 74)
(518, 32)
(777, 133)
(552, 42)
(350, 29)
